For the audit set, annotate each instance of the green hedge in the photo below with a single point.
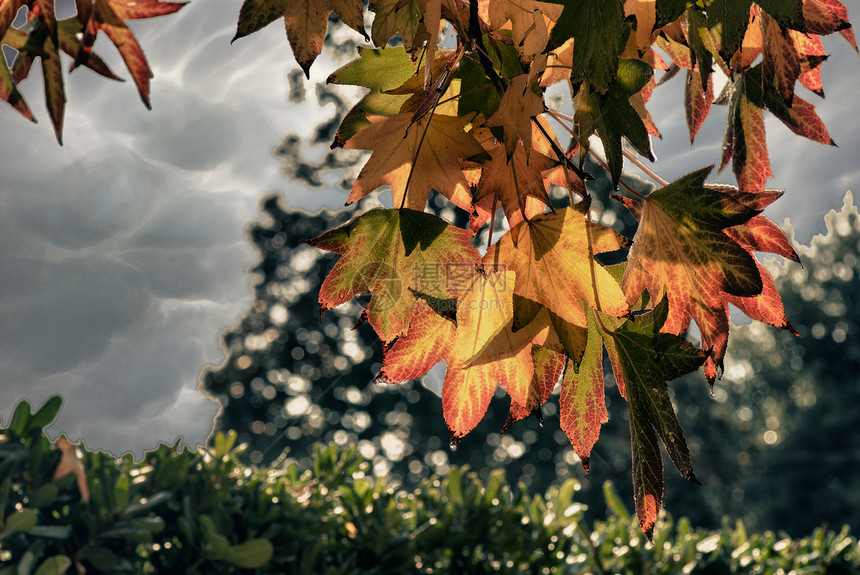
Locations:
(203, 511)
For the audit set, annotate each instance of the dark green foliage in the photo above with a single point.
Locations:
(206, 512)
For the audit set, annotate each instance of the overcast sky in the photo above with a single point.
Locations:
(123, 254)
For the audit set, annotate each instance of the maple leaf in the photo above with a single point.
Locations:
(682, 252)
(799, 117)
(645, 12)
(548, 367)
(514, 183)
(731, 18)
(415, 157)
(825, 17)
(599, 30)
(760, 234)
(390, 253)
(644, 358)
(109, 16)
(519, 104)
(381, 70)
(745, 142)
(398, 17)
(305, 22)
(34, 40)
(530, 23)
(550, 255)
(480, 352)
(613, 116)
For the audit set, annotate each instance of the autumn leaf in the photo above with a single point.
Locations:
(398, 18)
(518, 106)
(415, 157)
(780, 59)
(391, 253)
(645, 358)
(305, 21)
(697, 101)
(109, 16)
(731, 18)
(481, 352)
(582, 406)
(548, 367)
(381, 70)
(550, 255)
(514, 183)
(681, 251)
(529, 23)
(35, 42)
(825, 17)
(760, 234)
(745, 142)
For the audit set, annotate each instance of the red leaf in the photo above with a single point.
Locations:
(697, 101)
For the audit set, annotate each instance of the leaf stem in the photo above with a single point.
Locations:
(562, 118)
(415, 157)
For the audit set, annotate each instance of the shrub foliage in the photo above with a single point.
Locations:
(204, 511)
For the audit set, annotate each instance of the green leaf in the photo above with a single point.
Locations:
(47, 413)
(600, 33)
(20, 418)
(224, 442)
(380, 70)
(22, 521)
(217, 546)
(101, 558)
(52, 531)
(668, 11)
(645, 359)
(56, 565)
(120, 492)
(151, 524)
(613, 117)
(45, 495)
(251, 554)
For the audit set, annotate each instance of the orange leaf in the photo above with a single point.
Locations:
(518, 106)
(780, 60)
(109, 16)
(697, 101)
(530, 23)
(550, 255)
(414, 158)
(682, 252)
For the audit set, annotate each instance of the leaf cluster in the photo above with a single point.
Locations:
(31, 29)
(467, 119)
(330, 518)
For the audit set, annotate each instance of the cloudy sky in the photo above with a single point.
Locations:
(123, 252)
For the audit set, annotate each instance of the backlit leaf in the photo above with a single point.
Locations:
(391, 253)
(550, 255)
(415, 157)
